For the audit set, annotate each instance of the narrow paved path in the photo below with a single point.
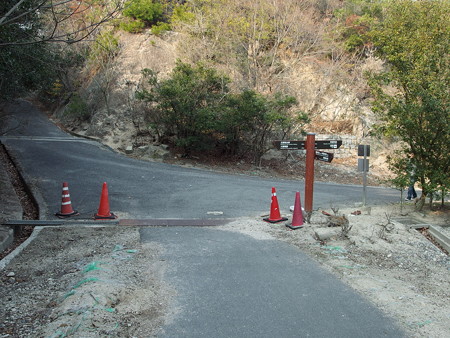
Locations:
(232, 285)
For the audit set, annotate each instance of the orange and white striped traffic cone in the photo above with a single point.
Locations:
(275, 216)
(66, 204)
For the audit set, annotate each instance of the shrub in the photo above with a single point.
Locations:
(186, 105)
(141, 14)
(160, 28)
(106, 45)
(182, 13)
(195, 107)
(78, 108)
(132, 26)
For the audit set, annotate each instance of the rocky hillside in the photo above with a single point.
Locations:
(329, 85)
(336, 100)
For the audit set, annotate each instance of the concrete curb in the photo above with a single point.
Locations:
(6, 237)
(439, 237)
(5, 261)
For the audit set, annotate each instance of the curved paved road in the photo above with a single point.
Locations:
(227, 284)
(139, 189)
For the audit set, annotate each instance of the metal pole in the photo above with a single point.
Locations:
(309, 171)
(365, 176)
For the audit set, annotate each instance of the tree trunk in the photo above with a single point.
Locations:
(421, 202)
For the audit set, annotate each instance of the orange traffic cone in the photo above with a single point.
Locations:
(66, 204)
(275, 216)
(103, 209)
(297, 217)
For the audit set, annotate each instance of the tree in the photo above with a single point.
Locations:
(197, 108)
(358, 17)
(261, 38)
(31, 33)
(102, 61)
(412, 95)
(25, 22)
(186, 104)
(252, 119)
(141, 14)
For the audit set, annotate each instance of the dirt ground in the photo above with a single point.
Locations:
(84, 282)
(101, 281)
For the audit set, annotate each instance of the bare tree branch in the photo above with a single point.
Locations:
(11, 11)
(59, 14)
(17, 17)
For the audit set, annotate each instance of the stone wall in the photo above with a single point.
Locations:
(349, 146)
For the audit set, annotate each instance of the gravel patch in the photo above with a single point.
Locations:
(84, 282)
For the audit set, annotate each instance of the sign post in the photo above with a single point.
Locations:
(310, 145)
(309, 172)
(363, 165)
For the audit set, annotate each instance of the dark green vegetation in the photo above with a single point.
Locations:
(140, 14)
(23, 66)
(34, 40)
(412, 95)
(262, 42)
(196, 106)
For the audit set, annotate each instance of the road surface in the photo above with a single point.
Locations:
(139, 189)
(228, 284)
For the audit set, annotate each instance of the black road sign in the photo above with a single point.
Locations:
(324, 156)
(328, 144)
(290, 145)
(299, 145)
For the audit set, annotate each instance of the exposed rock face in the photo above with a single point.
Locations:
(116, 114)
(139, 51)
(333, 97)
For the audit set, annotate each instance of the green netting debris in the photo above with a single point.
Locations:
(118, 247)
(84, 281)
(421, 324)
(110, 331)
(353, 266)
(92, 266)
(70, 331)
(58, 334)
(334, 248)
(68, 294)
(120, 252)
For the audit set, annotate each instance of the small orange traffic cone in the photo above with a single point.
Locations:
(103, 209)
(275, 216)
(66, 204)
(297, 217)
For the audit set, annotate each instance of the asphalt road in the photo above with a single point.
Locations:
(137, 189)
(232, 285)
(227, 284)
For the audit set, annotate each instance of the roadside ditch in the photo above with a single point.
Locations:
(30, 209)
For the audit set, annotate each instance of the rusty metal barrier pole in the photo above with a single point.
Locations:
(309, 172)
